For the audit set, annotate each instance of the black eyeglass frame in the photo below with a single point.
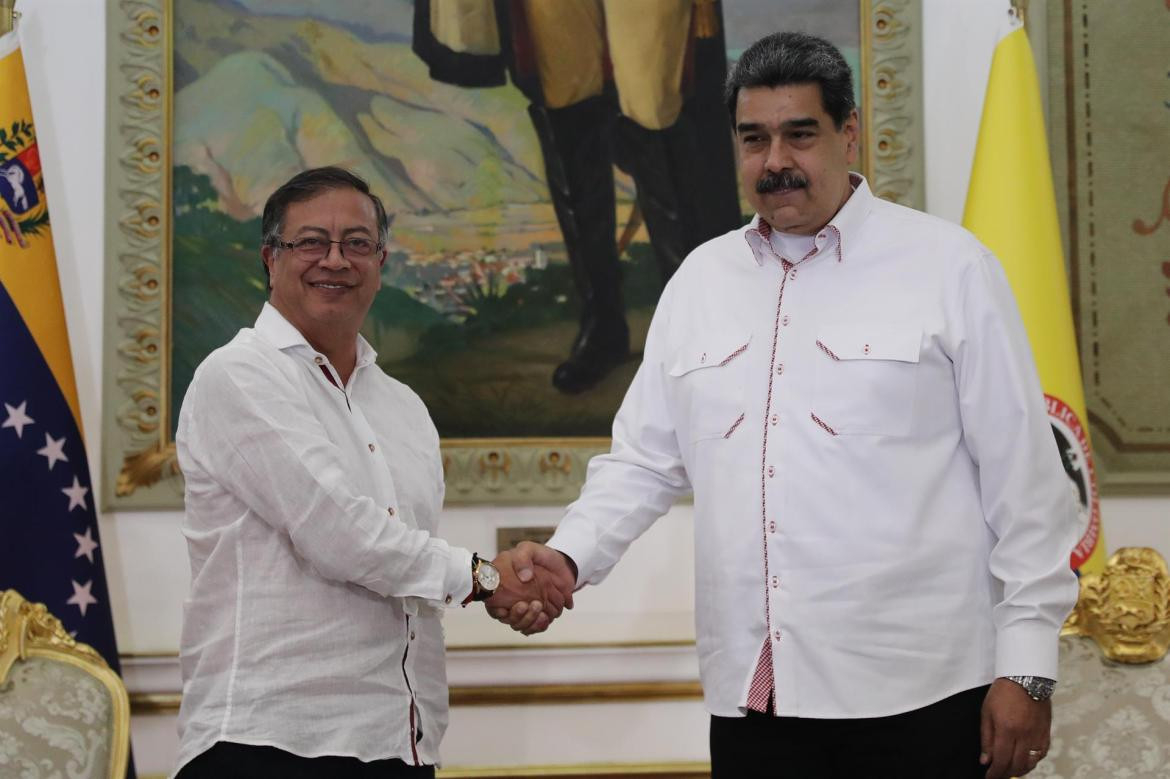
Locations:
(292, 246)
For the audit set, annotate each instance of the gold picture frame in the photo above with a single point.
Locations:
(140, 467)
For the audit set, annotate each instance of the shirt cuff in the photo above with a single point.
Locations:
(1027, 648)
(579, 549)
(457, 582)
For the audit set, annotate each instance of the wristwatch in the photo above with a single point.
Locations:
(1038, 688)
(484, 579)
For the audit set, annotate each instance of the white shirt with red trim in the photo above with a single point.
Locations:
(878, 493)
(316, 579)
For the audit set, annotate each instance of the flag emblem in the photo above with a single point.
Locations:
(17, 188)
(21, 188)
(1077, 458)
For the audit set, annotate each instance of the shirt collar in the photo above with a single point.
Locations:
(278, 331)
(844, 226)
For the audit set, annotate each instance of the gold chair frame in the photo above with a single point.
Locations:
(1125, 609)
(29, 630)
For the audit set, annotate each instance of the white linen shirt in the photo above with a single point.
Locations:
(313, 622)
(877, 488)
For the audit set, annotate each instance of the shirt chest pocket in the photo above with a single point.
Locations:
(866, 378)
(707, 376)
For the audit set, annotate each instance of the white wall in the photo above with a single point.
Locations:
(64, 49)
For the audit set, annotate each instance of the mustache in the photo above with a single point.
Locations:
(785, 179)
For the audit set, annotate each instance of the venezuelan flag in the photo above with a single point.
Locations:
(50, 550)
(1011, 207)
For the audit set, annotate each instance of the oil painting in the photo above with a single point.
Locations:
(543, 185)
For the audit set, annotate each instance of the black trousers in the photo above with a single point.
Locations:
(227, 760)
(940, 741)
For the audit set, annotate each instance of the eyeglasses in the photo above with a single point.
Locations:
(314, 249)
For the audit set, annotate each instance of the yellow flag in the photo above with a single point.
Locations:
(28, 267)
(1011, 207)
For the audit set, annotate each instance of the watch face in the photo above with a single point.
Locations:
(1041, 689)
(488, 576)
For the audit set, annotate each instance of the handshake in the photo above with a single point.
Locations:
(536, 585)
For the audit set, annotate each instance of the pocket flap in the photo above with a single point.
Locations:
(855, 341)
(708, 353)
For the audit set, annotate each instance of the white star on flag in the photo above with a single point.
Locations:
(82, 598)
(53, 450)
(85, 544)
(76, 495)
(17, 418)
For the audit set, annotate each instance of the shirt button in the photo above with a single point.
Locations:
(772, 527)
(771, 471)
(703, 357)
(775, 584)
(779, 368)
(319, 359)
(775, 418)
(390, 511)
(776, 635)
(412, 635)
(792, 274)
(784, 320)
(371, 447)
(447, 599)
(866, 349)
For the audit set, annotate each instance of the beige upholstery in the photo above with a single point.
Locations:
(1111, 710)
(63, 713)
(1109, 719)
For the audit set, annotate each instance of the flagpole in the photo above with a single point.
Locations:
(8, 16)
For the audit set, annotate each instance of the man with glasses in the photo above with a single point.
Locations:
(311, 640)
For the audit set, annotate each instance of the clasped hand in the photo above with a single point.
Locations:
(536, 586)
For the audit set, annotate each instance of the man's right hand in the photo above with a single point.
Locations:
(552, 573)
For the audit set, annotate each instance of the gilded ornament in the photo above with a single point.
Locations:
(29, 630)
(1126, 607)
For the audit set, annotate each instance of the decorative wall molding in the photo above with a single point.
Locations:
(891, 97)
(517, 471)
(497, 677)
(140, 468)
(138, 454)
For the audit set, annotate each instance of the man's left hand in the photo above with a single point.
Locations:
(1015, 730)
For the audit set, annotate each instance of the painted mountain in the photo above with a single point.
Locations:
(478, 304)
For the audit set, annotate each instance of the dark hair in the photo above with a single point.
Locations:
(306, 185)
(794, 58)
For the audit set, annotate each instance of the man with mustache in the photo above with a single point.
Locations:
(881, 519)
(311, 639)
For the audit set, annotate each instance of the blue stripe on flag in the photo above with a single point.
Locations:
(50, 551)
